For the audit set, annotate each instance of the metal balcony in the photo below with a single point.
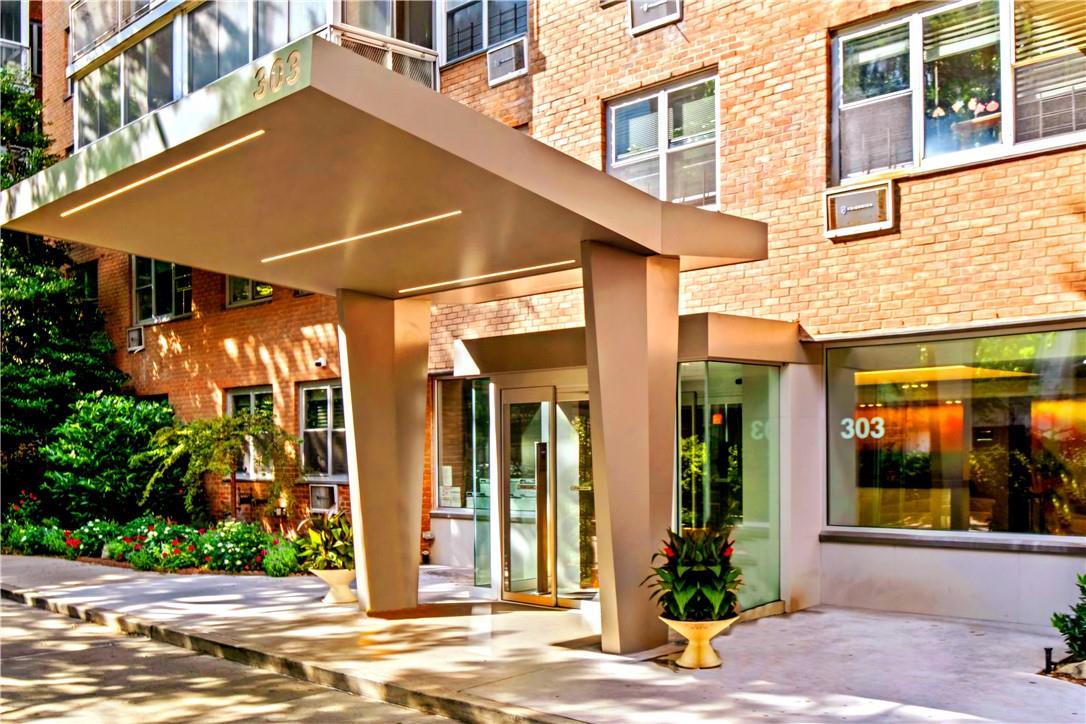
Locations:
(409, 60)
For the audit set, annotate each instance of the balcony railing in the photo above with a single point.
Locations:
(411, 61)
(12, 52)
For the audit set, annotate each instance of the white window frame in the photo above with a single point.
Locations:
(666, 20)
(252, 289)
(661, 93)
(441, 19)
(1004, 149)
(158, 318)
(302, 388)
(233, 392)
(23, 43)
(335, 498)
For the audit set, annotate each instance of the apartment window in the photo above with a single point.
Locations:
(664, 141)
(161, 290)
(324, 430)
(957, 83)
(91, 20)
(35, 48)
(472, 25)
(241, 291)
(463, 443)
(85, 276)
(148, 74)
(218, 36)
(1049, 68)
(251, 399)
(323, 499)
(278, 22)
(99, 102)
(979, 434)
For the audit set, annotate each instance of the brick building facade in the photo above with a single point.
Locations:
(993, 240)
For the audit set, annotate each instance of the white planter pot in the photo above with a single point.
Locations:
(339, 584)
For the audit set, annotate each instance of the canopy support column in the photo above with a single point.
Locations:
(383, 348)
(632, 340)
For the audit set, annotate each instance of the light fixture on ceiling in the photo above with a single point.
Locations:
(492, 275)
(163, 172)
(366, 235)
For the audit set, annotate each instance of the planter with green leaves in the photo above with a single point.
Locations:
(327, 550)
(697, 588)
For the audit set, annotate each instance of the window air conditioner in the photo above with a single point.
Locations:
(858, 210)
(135, 339)
(506, 62)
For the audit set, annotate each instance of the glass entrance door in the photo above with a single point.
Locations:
(548, 509)
(527, 565)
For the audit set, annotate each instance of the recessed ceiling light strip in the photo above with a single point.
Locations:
(367, 235)
(480, 277)
(163, 172)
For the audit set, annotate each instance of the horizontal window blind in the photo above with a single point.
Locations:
(1043, 27)
(959, 31)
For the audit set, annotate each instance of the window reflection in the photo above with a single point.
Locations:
(982, 434)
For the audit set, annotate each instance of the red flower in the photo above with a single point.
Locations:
(191, 548)
(150, 527)
(120, 556)
(33, 497)
(176, 551)
(15, 507)
(141, 537)
(165, 554)
(669, 552)
(263, 552)
(728, 552)
(275, 542)
(175, 542)
(137, 547)
(126, 539)
(207, 558)
(201, 531)
(246, 567)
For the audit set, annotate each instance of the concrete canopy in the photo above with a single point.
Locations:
(337, 148)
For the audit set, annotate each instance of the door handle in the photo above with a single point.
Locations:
(542, 531)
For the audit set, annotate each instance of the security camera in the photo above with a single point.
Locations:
(320, 362)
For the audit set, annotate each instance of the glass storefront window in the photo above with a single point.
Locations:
(463, 459)
(728, 464)
(984, 434)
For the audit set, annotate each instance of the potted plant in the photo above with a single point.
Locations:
(697, 588)
(327, 550)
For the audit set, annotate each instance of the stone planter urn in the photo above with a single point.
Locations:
(699, 653)
(339, 584)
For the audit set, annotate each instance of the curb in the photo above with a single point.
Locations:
(442, 701)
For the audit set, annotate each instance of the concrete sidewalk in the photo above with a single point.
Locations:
(484, 661)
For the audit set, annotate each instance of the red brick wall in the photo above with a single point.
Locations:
(57, 111)
(1001, 240)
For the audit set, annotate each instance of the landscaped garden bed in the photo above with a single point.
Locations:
(153, 544)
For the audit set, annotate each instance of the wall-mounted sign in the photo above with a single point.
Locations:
(270, 78)
(859, 210)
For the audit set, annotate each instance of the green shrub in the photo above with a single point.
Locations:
(328, 544)
(234, 546)
(696, 580)
(40, 540)
(1073, 625)
(90, 471)
(282, 559)
(25, 509)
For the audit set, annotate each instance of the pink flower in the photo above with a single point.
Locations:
(992, 106)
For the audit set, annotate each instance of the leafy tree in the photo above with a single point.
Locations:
(25, 144)
(53, 349)
(91, 472)
(214, 446)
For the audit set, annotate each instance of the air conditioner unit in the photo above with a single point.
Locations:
(646, 15)
(506, 62)
(135, 339)
(858, 210)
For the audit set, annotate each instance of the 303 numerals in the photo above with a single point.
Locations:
(862, 428)
(272, 80)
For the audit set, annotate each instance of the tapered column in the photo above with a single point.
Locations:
(632, 340)
(383, 346)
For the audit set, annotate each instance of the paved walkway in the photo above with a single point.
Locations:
(478, 660)
(59, 670)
